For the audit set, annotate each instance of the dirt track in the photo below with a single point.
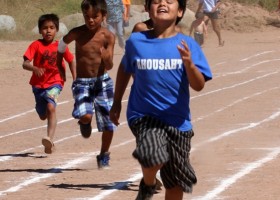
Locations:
(236, 122)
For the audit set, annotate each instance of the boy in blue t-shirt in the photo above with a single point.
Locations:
(164, 64)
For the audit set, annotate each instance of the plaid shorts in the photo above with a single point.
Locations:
(94, 95)
(158, 143)
(43, 96)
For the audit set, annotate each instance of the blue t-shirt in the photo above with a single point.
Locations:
(160, 87)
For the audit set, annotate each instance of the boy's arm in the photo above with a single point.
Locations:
(195, 77)
(36, 70)
(61, 70)
(72, 67)
(120, 87)
(68, 38)
(107, 52)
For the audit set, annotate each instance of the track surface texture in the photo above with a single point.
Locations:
(236, 118)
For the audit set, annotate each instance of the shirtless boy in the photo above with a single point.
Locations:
(93, 88)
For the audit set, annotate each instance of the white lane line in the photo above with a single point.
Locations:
(39, 177)
(35, 128)
(26, 112)
(233, 103)
(271, 117)
(128, 88)
(33, 110)
(70, 164)
(193, 97)
(34, 179)
(235, 85)
(116, 187)
(8, 157)
(248, 58)
(247, 127)
(227, 182)
(244, 69)
(256, 55)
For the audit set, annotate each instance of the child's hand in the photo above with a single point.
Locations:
(185, 53)
(104, 53)
(39, 71)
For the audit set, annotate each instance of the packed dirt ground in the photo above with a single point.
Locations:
(235, 150)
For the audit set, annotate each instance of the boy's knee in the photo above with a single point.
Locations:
(85, 119)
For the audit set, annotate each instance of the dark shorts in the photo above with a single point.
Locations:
(94, 95)
(212, 15)
(158, 143)
(43, 96)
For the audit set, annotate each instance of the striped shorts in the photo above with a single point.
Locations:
(158, 143)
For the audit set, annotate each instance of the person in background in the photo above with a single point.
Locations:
(40, 59)
(115, 19)
(93, 88)
(211, 12)
(164, 64)
(199, 28)
(126, 15)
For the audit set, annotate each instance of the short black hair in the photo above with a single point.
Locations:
(182, 5)
(48, 17)
(98, 5)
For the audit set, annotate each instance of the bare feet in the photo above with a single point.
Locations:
(222, 43)
(48, 144)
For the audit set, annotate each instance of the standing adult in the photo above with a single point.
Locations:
(115, 12)
(211, 11)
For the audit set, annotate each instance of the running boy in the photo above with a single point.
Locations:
(164, 64)
(93, 88)
(45, 80)
(148, 24)
(199, 28)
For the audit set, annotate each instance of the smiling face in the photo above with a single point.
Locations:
(48, 31)
(164, 10)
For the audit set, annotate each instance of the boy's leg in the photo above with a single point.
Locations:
(52, 121)
(46, 107)
(103, 102)
(149, 174)
(83, 106)
(107, 137)
(104, 156)
(85, 125)
(175, 193)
